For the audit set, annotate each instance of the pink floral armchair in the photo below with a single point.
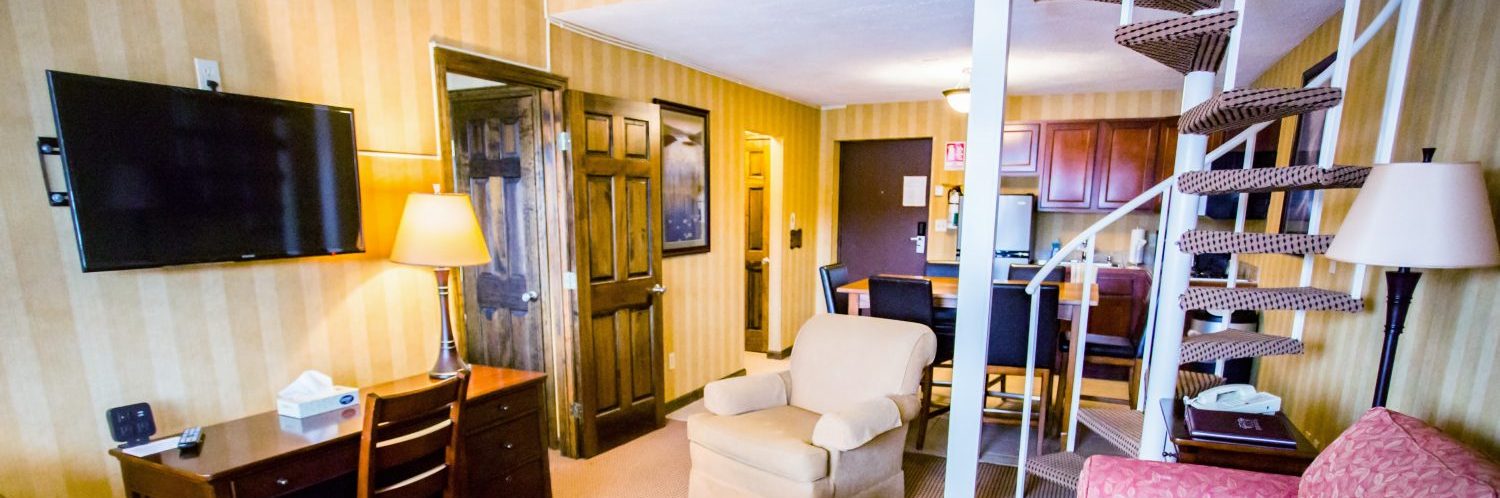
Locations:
(1384, 454)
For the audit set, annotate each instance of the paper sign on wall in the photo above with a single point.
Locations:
(914, 191)
(955, 155)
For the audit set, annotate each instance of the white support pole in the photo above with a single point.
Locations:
(1022, 449)
(1232, 57)
(1127, 12)
(991, 50)
(1390, 117)
(1090, 275)
(1166, 350)
(1156, 297)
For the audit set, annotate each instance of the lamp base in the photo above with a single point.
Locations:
(449, 362)
(1401, 284)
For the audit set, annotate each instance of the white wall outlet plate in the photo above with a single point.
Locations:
(208, 70)
(671, 361)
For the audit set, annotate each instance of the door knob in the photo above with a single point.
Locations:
(530, 297)
(765, 261)
(658, 289)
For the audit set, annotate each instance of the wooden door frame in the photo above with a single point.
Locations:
(559, 295)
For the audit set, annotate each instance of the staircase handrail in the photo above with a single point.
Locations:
(1098, 226)
(1322, 78)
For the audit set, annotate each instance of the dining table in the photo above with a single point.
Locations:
(945, 295)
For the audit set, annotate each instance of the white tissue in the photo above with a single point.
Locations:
(309, 386)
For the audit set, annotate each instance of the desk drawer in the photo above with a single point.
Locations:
(287, 475)
(479, 415)
(527, 481)
(504, 447)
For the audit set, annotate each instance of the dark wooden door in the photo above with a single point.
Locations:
(875, 230)
(1018, 148)
(495, 161)
(1126, 162)
(616, 160)
(1067, 173)
(757, 236)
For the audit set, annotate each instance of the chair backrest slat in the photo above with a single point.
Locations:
(409, 447)
(1010, 325)
(905, 299)
(1028, 272)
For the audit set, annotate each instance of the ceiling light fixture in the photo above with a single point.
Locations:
(958, 96)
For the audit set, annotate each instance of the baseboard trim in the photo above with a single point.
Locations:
(780, 355)
(696, 394)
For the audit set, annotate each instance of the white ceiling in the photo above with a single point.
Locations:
(834, 52)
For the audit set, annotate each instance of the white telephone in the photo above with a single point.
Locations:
(1238, 398)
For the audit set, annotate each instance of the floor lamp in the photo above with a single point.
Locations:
(441, 231)
(1416, 215)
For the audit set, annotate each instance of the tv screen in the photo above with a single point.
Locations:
(162, 175)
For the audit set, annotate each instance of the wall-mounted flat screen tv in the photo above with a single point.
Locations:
(162, 175)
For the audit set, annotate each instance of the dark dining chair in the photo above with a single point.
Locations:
(946, 269)
(910, 299)
(1027, 272)
(409, 446)
(833, 277)
(1010, 329)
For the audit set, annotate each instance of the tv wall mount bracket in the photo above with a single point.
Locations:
(49, 146)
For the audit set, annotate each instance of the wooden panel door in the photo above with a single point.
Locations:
(1127, 161)
(1067, 172)
(616, 156)
(757, 237)
(495, 161)
(1018, 148)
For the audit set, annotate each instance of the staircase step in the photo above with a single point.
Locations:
(1186, 44)
(1181, 6)
(1234, 344)
(1061, 468)
(1217, 242)
(1120, 426)
(1190, 383)
(1269, 298)
(1248, 106)
(1261, 180)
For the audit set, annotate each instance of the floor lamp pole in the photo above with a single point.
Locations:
(1400, 284)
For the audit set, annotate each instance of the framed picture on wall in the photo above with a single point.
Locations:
(1296, 207)
(684, 164)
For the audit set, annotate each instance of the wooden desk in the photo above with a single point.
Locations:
(263, 455)
(1269, 459)
(945, 292)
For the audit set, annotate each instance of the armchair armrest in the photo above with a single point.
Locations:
(1106, 476)
(855, 425)
(746, 394)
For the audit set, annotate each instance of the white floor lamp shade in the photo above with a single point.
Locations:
(1420, 215)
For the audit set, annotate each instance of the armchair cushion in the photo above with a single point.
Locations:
(746, 394)
(855, 425)
(1387, 454)
(775, 440)
(841, 360)
(1107, 476)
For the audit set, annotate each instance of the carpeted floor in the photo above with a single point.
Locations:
(656, 466)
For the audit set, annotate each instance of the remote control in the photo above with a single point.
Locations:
(191, 438)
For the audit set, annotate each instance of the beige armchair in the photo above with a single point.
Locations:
(833, 425)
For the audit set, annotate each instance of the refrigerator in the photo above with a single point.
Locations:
(1015, 226)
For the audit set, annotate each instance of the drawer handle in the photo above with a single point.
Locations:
(509, 478)
(510, 446)
(504, 408)
(281, 481)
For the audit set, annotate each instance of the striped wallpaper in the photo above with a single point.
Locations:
(1445, 371)
(705, 299)
(933, 118)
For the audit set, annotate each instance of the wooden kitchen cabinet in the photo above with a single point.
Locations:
(1018, 148)
(1126, 165)
(1069, 155)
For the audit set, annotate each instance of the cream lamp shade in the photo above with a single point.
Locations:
(439, 230)
(1420, 215)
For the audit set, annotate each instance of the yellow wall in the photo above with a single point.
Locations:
(934, 119)
(1445, 370)
(705, 307)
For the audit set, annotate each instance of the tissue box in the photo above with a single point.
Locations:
(339, 398)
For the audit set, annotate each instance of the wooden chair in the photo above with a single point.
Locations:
(833, 277)
(1010, 327)
(910, 300)
(1027, 272)
(409, 447)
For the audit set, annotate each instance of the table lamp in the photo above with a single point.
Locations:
(441, 231)
(1416, 215)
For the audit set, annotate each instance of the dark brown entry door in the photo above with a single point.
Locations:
(495, 156)
(757, 250)
(875, 231)
(616, 153)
